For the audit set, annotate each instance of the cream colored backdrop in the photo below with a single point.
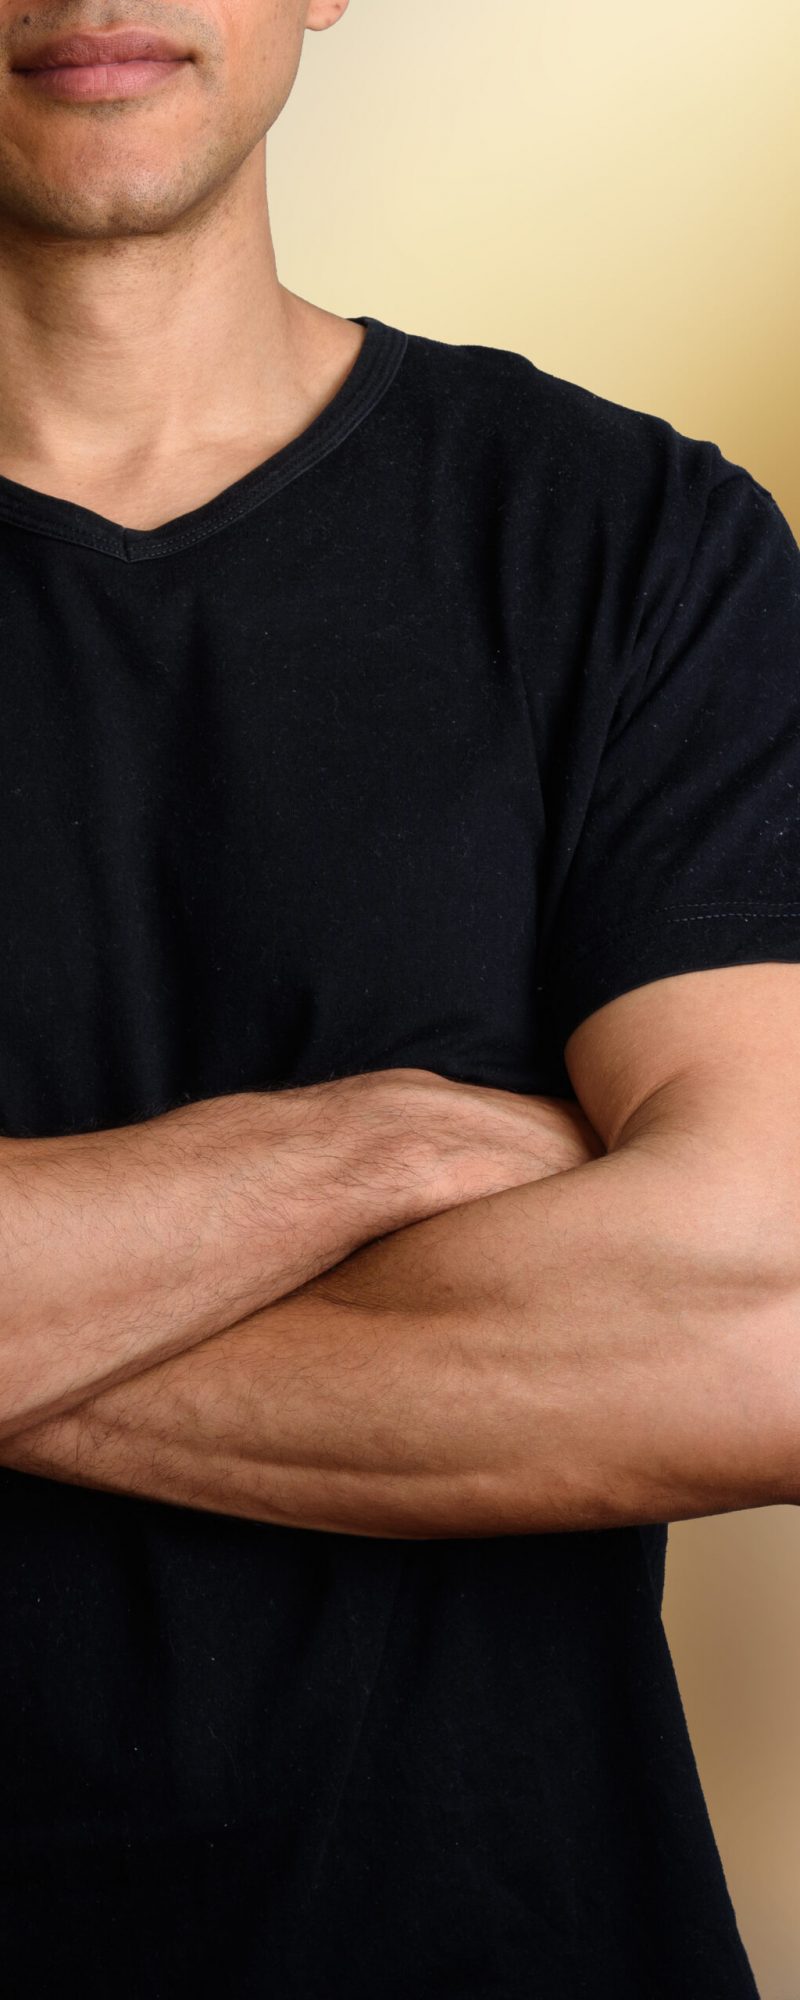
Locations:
(613, 190)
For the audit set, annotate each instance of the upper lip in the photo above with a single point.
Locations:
(79, 49)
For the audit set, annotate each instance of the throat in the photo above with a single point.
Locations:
(165, 495)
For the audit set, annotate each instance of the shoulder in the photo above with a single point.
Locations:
(563, 439)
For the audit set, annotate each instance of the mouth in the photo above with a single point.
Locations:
(89, 51)
(85, 83)
(87, 68)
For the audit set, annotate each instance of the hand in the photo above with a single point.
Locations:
(465, 1141)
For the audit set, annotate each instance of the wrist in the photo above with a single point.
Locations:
(380, 1175)
(328, 1171)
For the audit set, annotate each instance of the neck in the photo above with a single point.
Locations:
(132, 353)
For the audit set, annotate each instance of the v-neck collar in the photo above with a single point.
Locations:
(374, 369)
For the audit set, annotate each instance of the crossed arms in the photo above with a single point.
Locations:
(611, 1345)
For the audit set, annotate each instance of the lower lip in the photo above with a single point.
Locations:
(86, 84)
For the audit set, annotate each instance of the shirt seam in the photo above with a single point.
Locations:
(639, 680)
(702, 913)
(135, 545)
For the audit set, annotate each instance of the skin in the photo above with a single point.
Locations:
(149, 355)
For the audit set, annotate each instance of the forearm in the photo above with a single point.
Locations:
(568, 1354)
(121, 1248)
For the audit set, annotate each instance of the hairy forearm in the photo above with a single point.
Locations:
(122, 1248)
(574, 1353)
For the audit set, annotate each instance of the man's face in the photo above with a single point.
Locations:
(138, 166)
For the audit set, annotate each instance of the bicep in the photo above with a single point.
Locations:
(739, 1023)
(710, 1063)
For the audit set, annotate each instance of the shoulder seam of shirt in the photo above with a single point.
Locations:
(727, 476)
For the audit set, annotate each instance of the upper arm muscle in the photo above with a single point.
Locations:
(733, 1026)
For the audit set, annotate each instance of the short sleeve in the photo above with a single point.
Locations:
(689, 853)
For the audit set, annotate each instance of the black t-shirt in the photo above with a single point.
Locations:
(475, 706)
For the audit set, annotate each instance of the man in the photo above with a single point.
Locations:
(400, 1085)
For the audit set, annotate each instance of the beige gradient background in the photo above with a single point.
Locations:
(613, 190)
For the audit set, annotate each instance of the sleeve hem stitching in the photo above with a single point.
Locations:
(701, 915)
